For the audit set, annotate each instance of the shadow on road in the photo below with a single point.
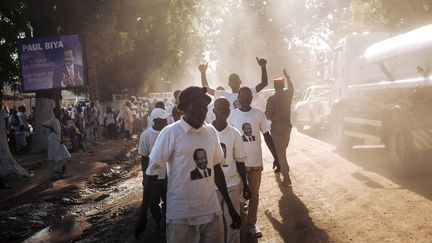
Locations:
(375, 159)
(296, 224)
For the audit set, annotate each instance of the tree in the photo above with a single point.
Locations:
(391, 15)
(11, 26)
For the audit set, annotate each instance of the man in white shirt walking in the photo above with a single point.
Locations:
(234, 169)
(257, 123)
(193, 212)
(147, 140)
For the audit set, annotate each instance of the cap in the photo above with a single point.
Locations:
(159, 113)
(279, 81)
(192, 93)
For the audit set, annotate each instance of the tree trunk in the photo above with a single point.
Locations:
(45, 102)
(8, 165)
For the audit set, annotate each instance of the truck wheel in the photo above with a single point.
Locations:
(400, 146)
(343, 143)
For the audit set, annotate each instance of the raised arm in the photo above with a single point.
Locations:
(264, 78)
(289, 82)
(203, 69)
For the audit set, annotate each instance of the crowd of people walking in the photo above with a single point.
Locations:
(202, 159)
(198, 176)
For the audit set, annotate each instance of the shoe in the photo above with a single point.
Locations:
(254, 231)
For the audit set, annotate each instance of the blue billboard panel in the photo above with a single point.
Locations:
(51, 63)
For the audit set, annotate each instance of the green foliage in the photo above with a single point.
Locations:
(391, 15)
(12, 24)
(129, 43)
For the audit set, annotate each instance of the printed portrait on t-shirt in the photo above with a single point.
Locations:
(201, 171)
(247, 133)
(223, 146)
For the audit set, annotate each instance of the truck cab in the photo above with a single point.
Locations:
(381, 94)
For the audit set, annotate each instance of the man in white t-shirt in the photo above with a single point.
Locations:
(234, 82)
(193, 212)
(147, 140)
(234, 169)
(256, 122)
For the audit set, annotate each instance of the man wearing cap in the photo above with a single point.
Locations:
(147, 140)
(234, 82)
(278, 111)
(193, 211)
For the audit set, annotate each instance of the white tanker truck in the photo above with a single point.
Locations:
(381, 93)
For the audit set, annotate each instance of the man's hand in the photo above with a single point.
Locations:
(276, 166)
(286, 74)
(78, 79)
(140, 227)
(236, 220)
(67, 80)
(262, 62)
(203, 67)
(247, 194)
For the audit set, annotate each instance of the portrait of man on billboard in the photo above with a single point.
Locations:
(68, 74)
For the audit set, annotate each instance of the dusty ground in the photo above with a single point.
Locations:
(334, 198)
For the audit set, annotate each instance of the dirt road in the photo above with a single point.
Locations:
(334, 198)
(350, 198)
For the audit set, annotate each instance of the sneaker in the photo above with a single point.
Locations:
(255, 231)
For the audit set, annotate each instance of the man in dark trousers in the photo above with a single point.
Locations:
(278, 111)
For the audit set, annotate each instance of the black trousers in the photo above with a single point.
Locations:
(159, 195)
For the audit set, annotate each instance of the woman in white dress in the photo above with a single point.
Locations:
(57, 151)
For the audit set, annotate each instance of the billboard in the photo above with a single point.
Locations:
(51, 63)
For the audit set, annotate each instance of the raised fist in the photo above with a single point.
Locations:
(261, 61)
(203, 67)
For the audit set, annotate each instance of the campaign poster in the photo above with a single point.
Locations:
(51, 63)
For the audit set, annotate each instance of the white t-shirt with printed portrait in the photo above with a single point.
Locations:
(146, 143)
(231, 97)
(250, 124)
(233, 148)
(191, 196)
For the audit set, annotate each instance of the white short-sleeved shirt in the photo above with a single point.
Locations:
(250, 124)
(146, 142)
(191, 196)
(231, 97)
(233, 148)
